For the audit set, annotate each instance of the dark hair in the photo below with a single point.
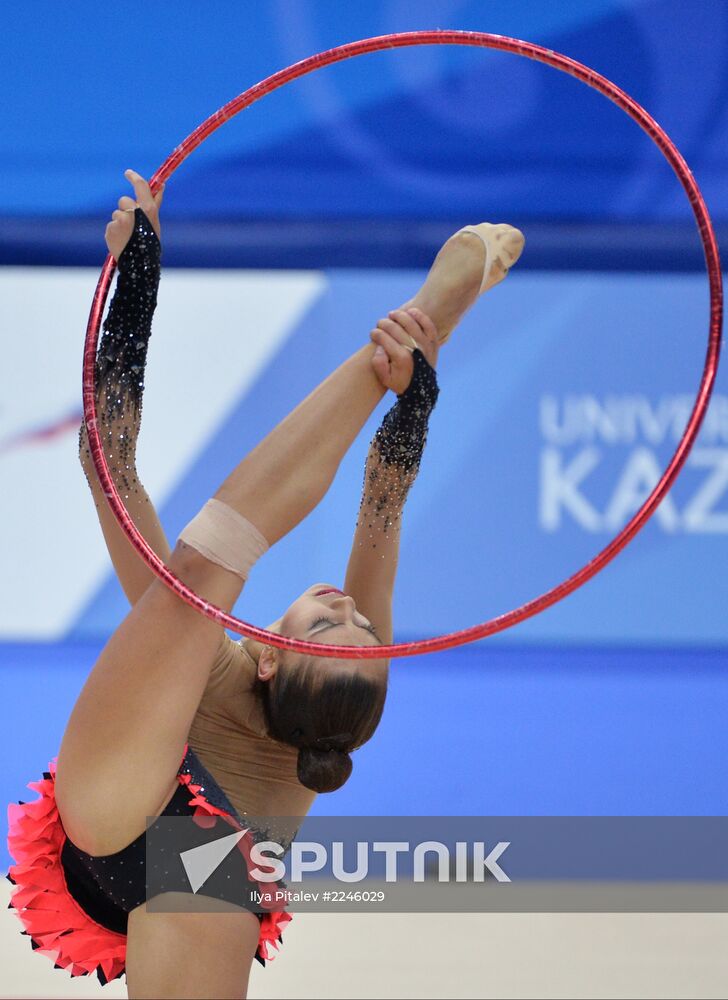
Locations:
(324, 711)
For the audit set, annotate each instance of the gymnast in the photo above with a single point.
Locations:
(176, 718)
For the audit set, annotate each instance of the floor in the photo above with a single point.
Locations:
(448, 956)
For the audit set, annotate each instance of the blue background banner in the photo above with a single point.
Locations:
(432, 133)
(562, 400)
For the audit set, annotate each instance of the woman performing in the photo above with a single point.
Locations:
(177, 719)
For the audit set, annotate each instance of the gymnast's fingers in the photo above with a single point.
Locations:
(392, 339)
(397, 331)
(409, 325)
(148, 202)
(427, 339)
(118, 231)
(395, 371)
(427, 326)
(380, 364)
(127, 204)
(122, 219)
(142, 191)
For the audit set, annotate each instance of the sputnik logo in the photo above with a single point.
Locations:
(201, 862)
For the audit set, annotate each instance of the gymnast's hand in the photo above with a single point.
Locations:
(396, 337)
(121, 226)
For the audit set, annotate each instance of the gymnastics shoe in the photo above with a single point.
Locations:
(503, 246)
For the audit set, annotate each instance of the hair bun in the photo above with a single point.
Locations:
(323, 770)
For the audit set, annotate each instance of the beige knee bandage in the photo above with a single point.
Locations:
(225, 537)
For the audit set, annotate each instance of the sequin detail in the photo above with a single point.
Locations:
(122, 352)
(121, 361)
(396, 452)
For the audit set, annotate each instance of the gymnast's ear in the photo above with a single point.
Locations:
(267, 663)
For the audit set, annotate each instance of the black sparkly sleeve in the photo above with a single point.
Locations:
(122, 353)
(394, 460)
(402, 435)
(119, 375)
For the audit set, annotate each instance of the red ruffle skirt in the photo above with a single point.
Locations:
(56, 924)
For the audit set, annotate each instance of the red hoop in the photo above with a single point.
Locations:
(707, 236)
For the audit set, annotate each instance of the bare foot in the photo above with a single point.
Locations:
(457, 276)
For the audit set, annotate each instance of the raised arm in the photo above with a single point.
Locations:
(393, 460)
(133, 239)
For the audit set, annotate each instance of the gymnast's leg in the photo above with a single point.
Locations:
(188, 954)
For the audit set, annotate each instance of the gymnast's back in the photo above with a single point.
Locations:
(230, 735)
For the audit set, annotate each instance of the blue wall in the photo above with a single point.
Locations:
(474, 733)
(435, 132)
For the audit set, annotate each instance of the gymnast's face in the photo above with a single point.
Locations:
(325, 614)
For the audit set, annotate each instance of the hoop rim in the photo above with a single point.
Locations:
(498, 624)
